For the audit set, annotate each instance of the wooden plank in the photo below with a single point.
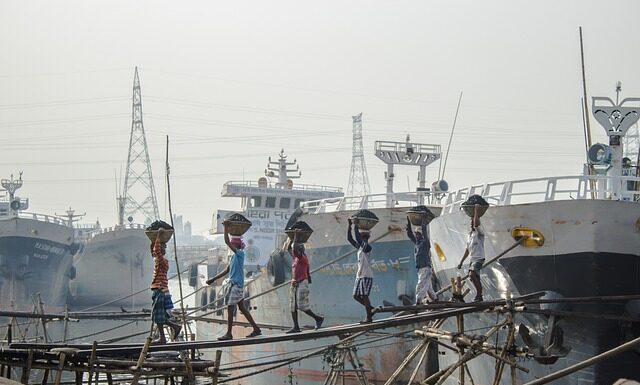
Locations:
(26, 371)
(305, 335)
(60, 367)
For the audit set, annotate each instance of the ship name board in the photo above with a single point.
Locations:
(48, 248)
(268, 214)
(378, 266)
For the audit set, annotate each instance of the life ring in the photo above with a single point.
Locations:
(275, 268)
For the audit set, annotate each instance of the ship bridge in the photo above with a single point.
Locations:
(276, 190)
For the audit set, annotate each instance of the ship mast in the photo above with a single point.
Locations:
(280, 170)
(71, 216)
(12, 186)
(409, 154)
(616, 118)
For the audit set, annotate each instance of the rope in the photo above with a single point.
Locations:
(285, 283)
(98, 333)
(175, 245)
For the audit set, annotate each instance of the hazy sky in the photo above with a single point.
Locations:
(234, 82)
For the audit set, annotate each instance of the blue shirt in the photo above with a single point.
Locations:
(421, 249)
(236, 268)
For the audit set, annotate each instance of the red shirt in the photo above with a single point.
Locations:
(299, 266)
(160, 268)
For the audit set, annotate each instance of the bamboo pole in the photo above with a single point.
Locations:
(26, 371)
(414, 352)
(44, 323)
(137, 368)
(92, 360)
(425, 353)
(185, 324)
(216, 368)
(62, 358)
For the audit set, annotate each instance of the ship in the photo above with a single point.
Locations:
(582, 241)
(331, 290)
(560, 237)
(573, 241)
(35, 254)
(113, 266)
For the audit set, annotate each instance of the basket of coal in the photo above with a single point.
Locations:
(304, 231)
(365, 219)
(236, 224)
(152, 231)
(416, 214)
(471, 202)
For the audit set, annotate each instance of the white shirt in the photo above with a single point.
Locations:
(475, 245)
(364, 266)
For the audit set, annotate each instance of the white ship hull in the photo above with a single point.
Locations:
(112, 265)
(35, 259)
(591, 248)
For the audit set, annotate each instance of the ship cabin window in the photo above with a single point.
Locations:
(255, 201)
(270, 203)
(298, 203)
(285, 203)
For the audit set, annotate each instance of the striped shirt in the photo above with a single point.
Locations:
(160, 268)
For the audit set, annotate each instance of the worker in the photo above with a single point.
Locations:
(160, 296)
(421, 252)
(300, 280)
(364, 275)
(475, 249)
(233, 285)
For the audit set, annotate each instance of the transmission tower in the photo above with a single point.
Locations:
(140, 204)
(358, 178)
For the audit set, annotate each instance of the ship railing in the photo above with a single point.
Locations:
(624, 188)
(296, 186)
(419, 148)
(103, 230)
(36, 217)
(372, 201)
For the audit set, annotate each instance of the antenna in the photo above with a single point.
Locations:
(455, 119)
(358, 178)
(139, 193)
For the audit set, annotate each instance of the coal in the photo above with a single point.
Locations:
(302, 226)
(366, 214)
(236, 224)
(235, 217)
(470, 203)
(158, 224)
(415, 215)
(303, 235)
(365, 219)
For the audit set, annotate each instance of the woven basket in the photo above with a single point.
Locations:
(468, 209)
(153, 234)
(365, 224)
(415, 215)
(237, 228)
(303, 236)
